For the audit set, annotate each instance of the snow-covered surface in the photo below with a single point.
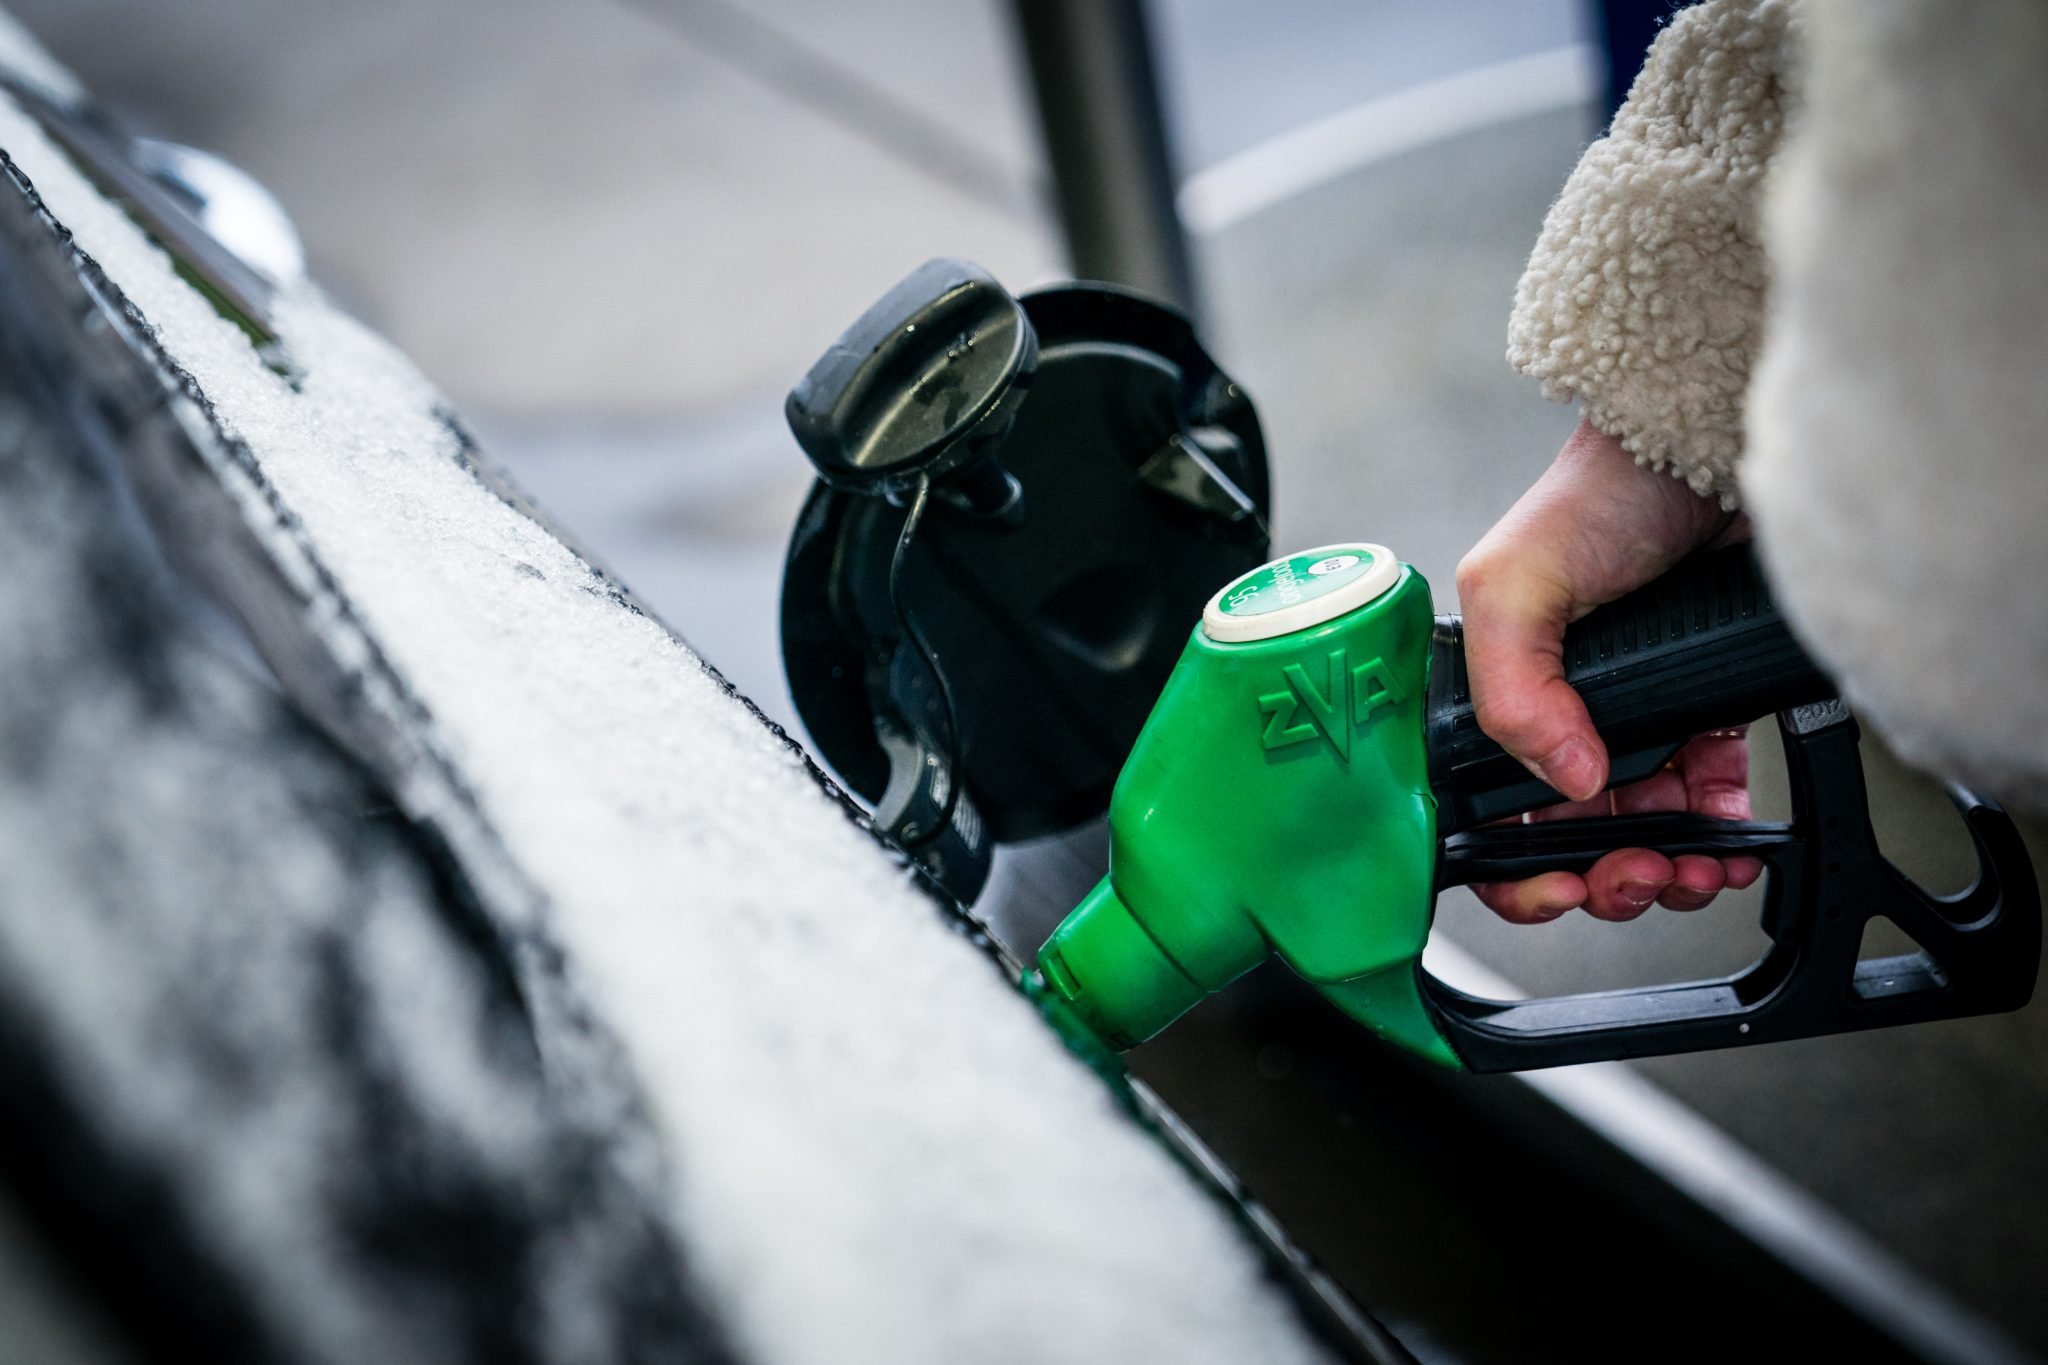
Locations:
(875, 1149)
(249, 1060)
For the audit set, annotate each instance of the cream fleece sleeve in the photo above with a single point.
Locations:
(1644, 298)
(1898, 455)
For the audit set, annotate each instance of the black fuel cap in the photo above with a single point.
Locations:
(921, 384)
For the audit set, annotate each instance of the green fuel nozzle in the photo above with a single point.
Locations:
(1277, 801)
(1313, 774)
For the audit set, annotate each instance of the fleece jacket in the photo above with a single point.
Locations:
(1806, 271)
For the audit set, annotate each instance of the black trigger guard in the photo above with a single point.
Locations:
(1505, 853)
(1979, 950)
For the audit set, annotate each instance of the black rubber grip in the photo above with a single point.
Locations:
(1701, 648)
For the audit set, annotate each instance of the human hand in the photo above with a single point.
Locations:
(1594, 526)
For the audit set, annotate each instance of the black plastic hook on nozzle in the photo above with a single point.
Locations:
(923, 386)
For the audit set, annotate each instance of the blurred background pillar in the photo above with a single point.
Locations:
(1094, 81)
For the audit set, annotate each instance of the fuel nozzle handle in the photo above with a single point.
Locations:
(1703, 647)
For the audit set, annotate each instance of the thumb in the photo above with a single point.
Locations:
(1515, 615)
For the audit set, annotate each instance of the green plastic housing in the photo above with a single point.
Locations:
(1276, 801)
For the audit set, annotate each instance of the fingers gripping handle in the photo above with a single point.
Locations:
(1977, 950)
(1700, 648)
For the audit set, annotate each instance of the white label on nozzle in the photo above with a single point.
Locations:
(1299, 592)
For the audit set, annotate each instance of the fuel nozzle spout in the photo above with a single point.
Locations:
(1114, 976)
